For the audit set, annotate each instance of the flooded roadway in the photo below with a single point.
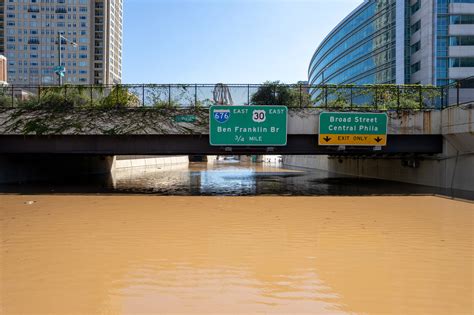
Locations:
(138, 254)
(227, 178)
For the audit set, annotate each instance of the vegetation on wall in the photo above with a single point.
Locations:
(379, 97)
(94, 110)
(153, 109)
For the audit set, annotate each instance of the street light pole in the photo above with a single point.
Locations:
(59, 70)
(59, 58)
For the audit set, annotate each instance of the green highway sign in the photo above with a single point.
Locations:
(363, 129)
(60, 70)
(185, 118)
(248, 125)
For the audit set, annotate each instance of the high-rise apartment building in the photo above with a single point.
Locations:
(29, 39)
(3, 71)
(399, 41)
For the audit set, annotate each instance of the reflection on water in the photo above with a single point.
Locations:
(227, 178)
(200, 255)
(232, 178)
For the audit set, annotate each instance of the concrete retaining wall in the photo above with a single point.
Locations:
(455, 172)
(22, 168)
(454, 169)
(149, 161)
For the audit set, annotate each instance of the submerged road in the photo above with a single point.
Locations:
(106, 246)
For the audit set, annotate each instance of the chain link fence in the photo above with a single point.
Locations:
(350, 97)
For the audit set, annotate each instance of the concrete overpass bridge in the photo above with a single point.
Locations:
(66, 130)
(138, 131)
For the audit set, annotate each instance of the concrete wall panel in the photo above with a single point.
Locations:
(461, 51)
(453, 169)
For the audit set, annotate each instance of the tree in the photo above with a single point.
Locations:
(276, 93)
(120, 96)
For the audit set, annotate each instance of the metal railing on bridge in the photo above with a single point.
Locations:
(460, 92)
(337, 97)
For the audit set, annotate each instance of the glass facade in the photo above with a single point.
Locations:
(445, 40)
(434, 37)
(442, 49)
(361, 50)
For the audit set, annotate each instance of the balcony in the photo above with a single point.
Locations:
(61, 10)
(33, 10)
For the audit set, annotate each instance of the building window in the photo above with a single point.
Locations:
(415, 7)
(415, 47)
(461, 41)
(415, 67)
(461, 62)
(415, 27)
(462, 19)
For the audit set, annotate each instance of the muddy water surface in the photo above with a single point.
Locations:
(191, 255)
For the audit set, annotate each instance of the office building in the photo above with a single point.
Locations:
(91, 40)
(399, 41)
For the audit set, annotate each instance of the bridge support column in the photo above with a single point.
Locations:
(259, 159)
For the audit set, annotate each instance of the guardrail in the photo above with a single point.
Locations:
(340, 97)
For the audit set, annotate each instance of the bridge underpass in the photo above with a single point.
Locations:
(443, 136)
(199, 145)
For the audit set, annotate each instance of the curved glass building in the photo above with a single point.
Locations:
(361, 49)
(398, 41)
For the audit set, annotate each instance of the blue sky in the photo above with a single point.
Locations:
(229, 41)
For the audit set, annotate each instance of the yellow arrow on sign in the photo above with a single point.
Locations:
(362, 140)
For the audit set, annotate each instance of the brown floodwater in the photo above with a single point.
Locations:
(195, 255)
